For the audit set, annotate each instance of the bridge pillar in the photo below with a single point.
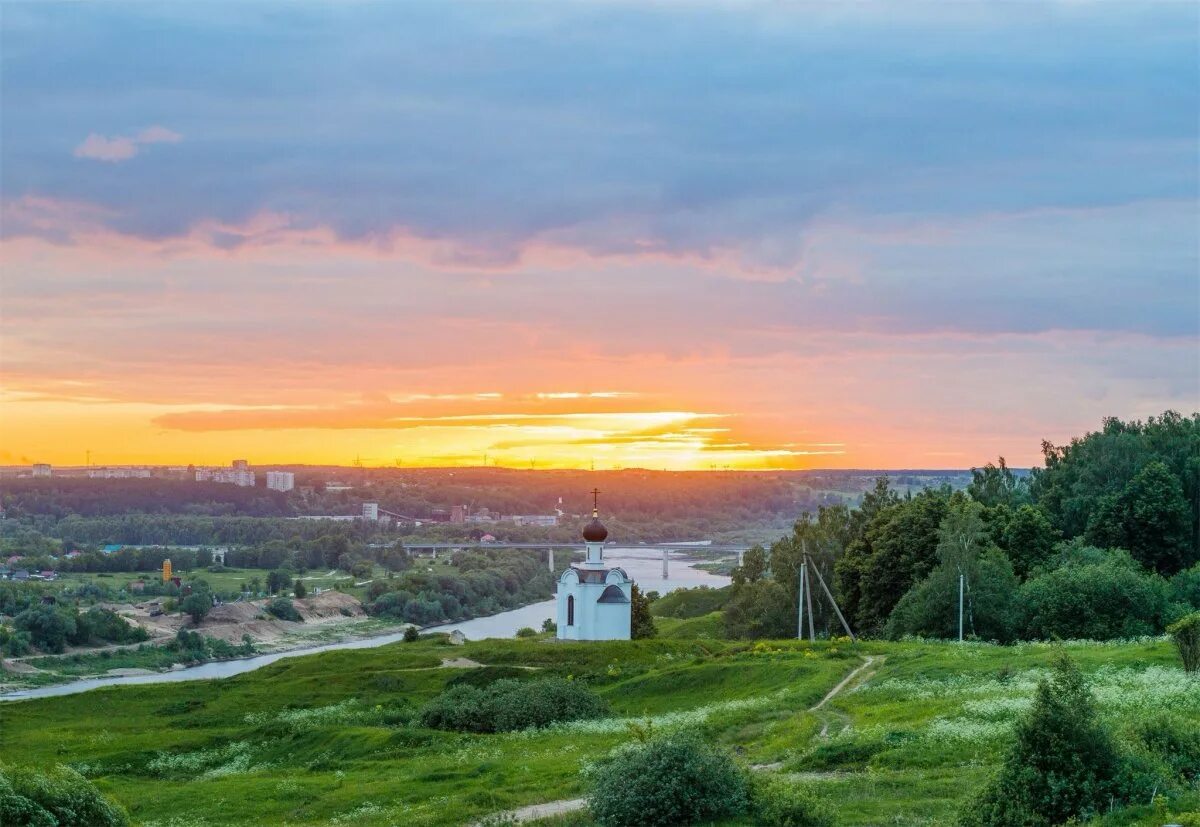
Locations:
(433, 553)
(550, 559)
(665, 553)
(741, 553)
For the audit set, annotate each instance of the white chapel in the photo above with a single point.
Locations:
(594, 601)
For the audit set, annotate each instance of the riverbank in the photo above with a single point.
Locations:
(644, 567)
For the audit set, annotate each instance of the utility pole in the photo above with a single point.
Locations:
(800, 603)
(812, 636)
(833, 602)
(961, 578)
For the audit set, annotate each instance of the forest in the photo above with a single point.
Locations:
(1102, 542)
(639, 505)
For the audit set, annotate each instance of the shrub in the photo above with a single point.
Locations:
(1173, 739)
(283, 609)
(107, 625)
(59, 797)
(761, 609)
(670, 780)
(196, 605)
(688, 603)
(411, 634)
(549, 625)
(1186, 634)
(844, 752)
(1185, 587)
(779, 804)
(48, 627)
(299, 589)
(930, 608)
(487, 675)
(641, 621)
(1097, 601)
(1064, 764)
(13, 642)
(509, 705)
(526, 631)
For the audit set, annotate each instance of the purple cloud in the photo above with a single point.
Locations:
(119, 148)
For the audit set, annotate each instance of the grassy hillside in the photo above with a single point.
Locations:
(325, 739)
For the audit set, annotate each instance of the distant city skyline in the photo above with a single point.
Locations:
(682, 236)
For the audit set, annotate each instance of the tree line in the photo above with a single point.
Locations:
(1100, 543)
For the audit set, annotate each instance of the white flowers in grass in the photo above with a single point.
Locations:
(231, 759)
(350, 712)
(679, 719)
(1156, 688)
(989, 706)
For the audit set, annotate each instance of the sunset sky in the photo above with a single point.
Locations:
(677, 235)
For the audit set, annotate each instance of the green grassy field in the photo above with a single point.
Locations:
(324, 739)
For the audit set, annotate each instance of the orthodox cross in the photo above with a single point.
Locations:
(595, 492)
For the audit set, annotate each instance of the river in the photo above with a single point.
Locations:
(643, 565)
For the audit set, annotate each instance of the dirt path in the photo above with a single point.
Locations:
(830, 716)
(869, 659)
(534, 812)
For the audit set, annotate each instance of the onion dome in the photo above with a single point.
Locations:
(595, 532)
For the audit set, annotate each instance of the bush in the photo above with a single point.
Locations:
(487, 675)
(283, 609)
(1186, 634)
(13, 642)
(761, 609)
(779, 804)
(59, 797)
(688, 603)
(1185, 587)
(107, 625)
(1174, 740)
(1096, 601)
(1063, 766)
(510, 705)
(411, 634)
(526, 631)
(49, 628)
(299, 589)
(670, 780)
(930, 608)
(641, 622)
(549, 625)
(197, 605)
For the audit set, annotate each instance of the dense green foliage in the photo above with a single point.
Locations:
(485, 582)
(1076, 550)
(688, 603)
(778, 803)
(1064, 764)
(51, 627)
(669, 780)
(508, 705)
(196, 606)
(1134, 485)
(1112, 599)
(641, 620)
(761, 609)
(283, 609)
(1186, 634)
(54, 797)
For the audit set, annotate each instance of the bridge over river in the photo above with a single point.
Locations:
(432, 549)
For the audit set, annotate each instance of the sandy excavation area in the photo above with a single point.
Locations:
(230, 621)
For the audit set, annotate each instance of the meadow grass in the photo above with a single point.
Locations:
(328, 739)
